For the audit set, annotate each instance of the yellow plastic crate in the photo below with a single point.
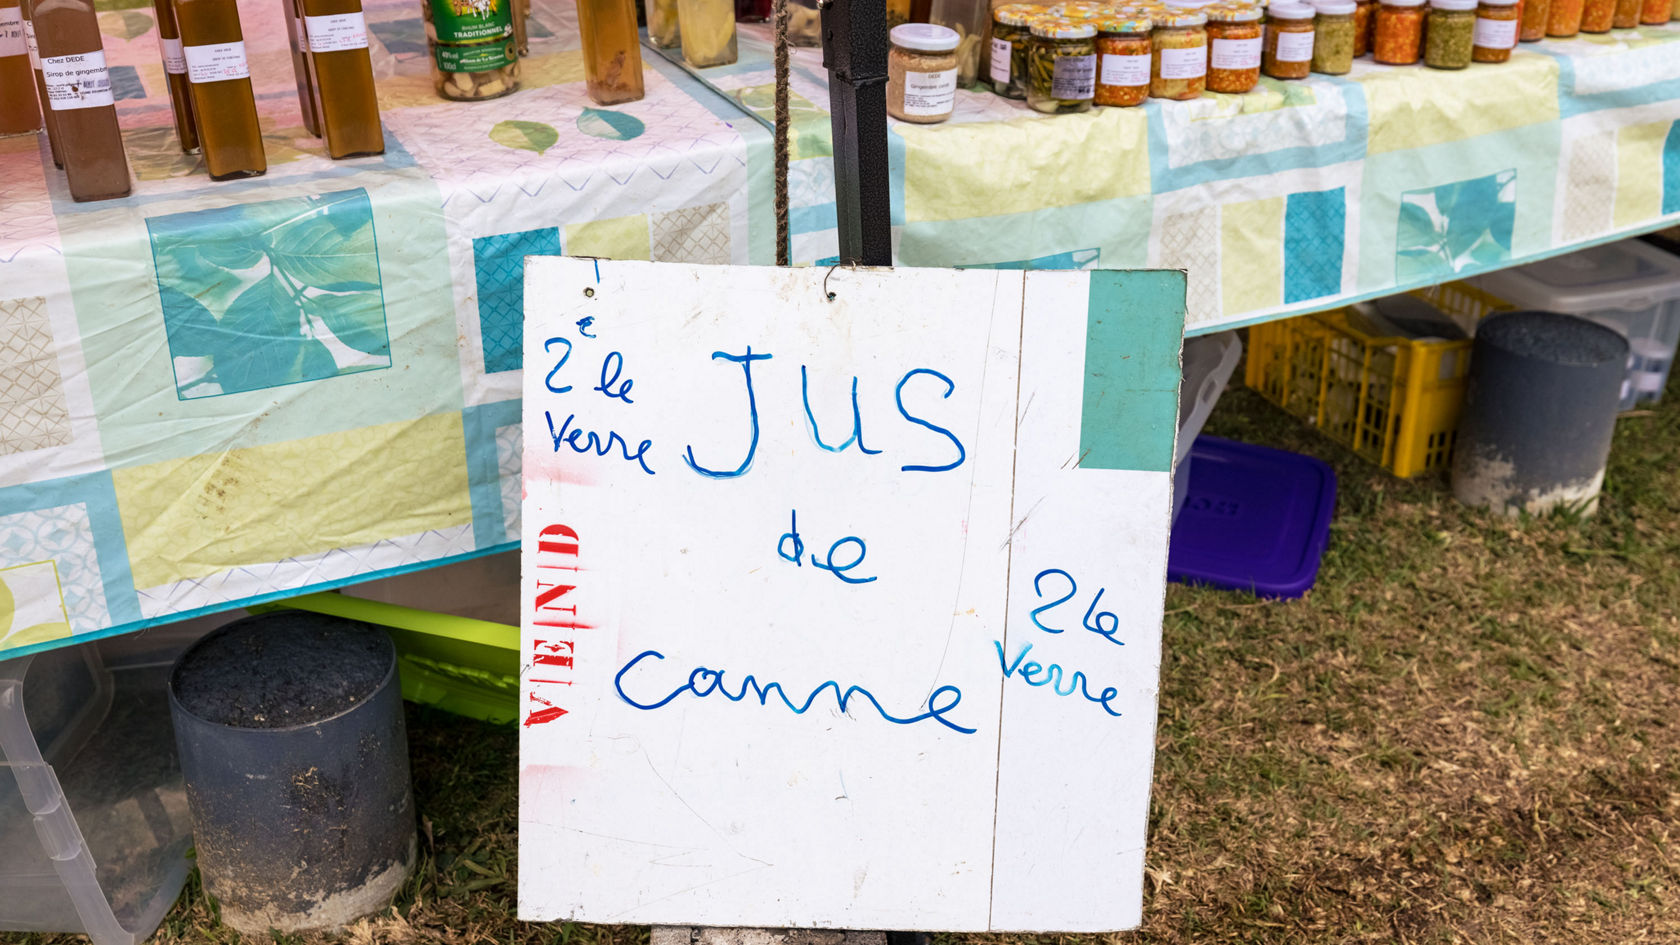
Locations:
(1394, 401)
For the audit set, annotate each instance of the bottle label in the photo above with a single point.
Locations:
(12, 42)
(1074, 78)
(930, 93)
(1002, 49)
(480, 58)
(29, 43)
(217, 62)
(79, 81)
(465, 21)
(1184, 63)
(1125, 71)
(336, 32)
(1496, 34)
(1235, 54)
(1294, 47)
(174, 61)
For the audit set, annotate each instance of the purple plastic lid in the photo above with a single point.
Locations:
(1255, 519)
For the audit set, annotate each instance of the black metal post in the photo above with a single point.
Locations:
(855, 55)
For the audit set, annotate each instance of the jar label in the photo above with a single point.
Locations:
(1184, 63)
(1235, 54)
(1074, 78)
(480, 58)
(216, 62)
(11, 32)
(1496, 34)
(1002, 49)
(29, 43)
(1294, 47)
(930, 93)
(1125, 71)
(466, 21)
(174, 60)
(79, 81)
(336, 32)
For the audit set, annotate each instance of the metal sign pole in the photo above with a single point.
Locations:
(855, 55)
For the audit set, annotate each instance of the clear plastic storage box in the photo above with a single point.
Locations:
(1209, 361)
(1630, 286)
(94, 829)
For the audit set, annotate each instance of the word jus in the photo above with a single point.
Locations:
(554, 621)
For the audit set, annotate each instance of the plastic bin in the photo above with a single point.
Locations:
(1392, 400)
(1630, 286)
(1209, 361)
(94, 828)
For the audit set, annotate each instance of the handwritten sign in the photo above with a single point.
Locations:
(842, 593)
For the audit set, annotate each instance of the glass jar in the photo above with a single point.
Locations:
(922, 73)
(1674, 11)
(1233, 34)
(1178, 57)
(1626, 16)
(472, 53)
(1451, 34)
(1656, 12)
(1333, 36)
(1364, 24)
(1123, 60)
(708, 32)
(972, 20)
(1533, 15)
(1597, 15)
(1008, 67)
(1496, 31)
(1399, 37)
(1565, 17)
(804, 23)
(662, 22)
(1061, 65)
(1288, 50)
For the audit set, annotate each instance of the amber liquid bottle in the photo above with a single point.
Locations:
(79, 94)
(302, 70)
(338, 50)
(175, 73)
(34, 51)
(612, 52)
(18, 112)
(222, 100)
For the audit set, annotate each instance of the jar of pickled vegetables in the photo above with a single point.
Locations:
(1565, 17)
(1061, 65)
(1496, 31)
(1626, 15)
(1007, 67)
(1333, 36)
(1656, 12)
(1288, 49)
(1123, 60)
(1233, 34)
(1178, 55)
(1597, 15)
(1399, 38)
(1532, 16)
(1450, 35)
(1364, 24)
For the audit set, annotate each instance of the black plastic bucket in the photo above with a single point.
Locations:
(291, 736)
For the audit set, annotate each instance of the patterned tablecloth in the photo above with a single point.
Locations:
(213, 393)
(1291, 198)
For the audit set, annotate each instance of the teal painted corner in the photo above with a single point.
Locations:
(1134, 330)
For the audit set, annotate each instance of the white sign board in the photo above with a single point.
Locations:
(842, 593)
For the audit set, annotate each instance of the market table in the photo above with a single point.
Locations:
(171, 444)
(1295, 197)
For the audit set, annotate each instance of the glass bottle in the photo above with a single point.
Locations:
(1451, 34)
(1496, 30)
(175, 75)
(1288, 49)
(708, 31)
(612, 55)
(79, 94)
(302, 71)
(662, 22)
(338, 55)
(972, 19)
(48, 120)
(19, 113)
(471, 48)
(1399, 39)
(226, 110)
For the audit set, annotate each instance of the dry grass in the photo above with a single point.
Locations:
(1466, 733)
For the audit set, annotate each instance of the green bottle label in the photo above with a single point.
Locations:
(466, 21)
(478, 58)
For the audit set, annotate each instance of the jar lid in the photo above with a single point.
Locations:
(1078, 10)
(1453, 4)
(1022, 14)
(1233, 13)
(1178, 19)
(1289, 10)
(924, 37)
(1402, 3)
(1124, 24)
(1499, 3)
(1061, 27)
(1339, 7)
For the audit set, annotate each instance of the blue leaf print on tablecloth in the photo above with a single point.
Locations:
(1462, 227)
